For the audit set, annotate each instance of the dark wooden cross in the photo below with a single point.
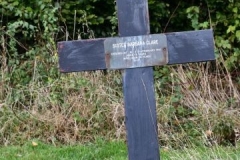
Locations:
(136, 51)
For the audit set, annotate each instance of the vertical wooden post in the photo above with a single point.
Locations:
(138, 86)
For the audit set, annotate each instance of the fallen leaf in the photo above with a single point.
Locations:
(34, 143)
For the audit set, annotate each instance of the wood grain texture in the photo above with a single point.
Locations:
(183, 47)
(133, 17)
(139, 97)
(140, 111)
(190, 46)
(82, 55)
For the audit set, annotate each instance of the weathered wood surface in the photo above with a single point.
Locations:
(190, 46)
(183, 47)
(140, 112)
(138, 87)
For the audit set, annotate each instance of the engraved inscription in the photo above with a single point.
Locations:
(137, 51)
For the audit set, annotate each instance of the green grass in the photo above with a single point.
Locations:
(103, 150)
(202, 153)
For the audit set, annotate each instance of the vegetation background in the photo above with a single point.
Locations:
(196, 103)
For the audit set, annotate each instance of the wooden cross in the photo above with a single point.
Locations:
(136, 51)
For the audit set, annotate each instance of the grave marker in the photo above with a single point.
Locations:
(135, 51)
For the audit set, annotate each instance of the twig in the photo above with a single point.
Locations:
(171, 16)
(209, 16)
(74, 27)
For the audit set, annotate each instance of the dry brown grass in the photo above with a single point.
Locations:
(212, 96)
(79, 107)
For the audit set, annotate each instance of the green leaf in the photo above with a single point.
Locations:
(15, 3)
(237, 22)
(235, 10)
(204, 25)
(231, 29)
(238, 35)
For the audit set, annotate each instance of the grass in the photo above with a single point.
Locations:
(100, 150)
(103, 150)
(202, 153)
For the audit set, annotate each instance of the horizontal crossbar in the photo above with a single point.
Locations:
(183, 47)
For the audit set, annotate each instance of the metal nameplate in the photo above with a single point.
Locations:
(136, 51)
